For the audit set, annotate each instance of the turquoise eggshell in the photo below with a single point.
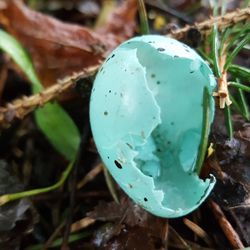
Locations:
(146, 112)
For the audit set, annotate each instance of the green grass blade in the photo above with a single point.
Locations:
(243, 104)
(224, 38)
(238, 107)
(239, 71)
(242, 32)
(53, 121)
(15, 196)
(13, 48)
(215, 50)
(205, 131)
(111, 185)
(240, 86)
(228, 121)
(59, 128)
(144, 27)
(58, 242)
(236, 50)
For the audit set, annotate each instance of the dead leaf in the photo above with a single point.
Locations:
(58, 48)
(131, 228)
(120, 24)
(16, 218)
(231, 164)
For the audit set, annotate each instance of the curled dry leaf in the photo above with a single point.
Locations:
(58, 48)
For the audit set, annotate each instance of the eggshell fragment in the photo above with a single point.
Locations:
(146, 112)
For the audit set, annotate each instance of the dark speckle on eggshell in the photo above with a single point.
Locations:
(161, 49)
(118, 164)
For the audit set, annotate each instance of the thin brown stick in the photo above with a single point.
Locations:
(198, 231)
(81, 224)
(225, 225)
(205, 27)
(164, 235)
(90, 175)
(23, 106)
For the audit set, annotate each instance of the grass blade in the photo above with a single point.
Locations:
(15, 196)
(215, 56)
(205, 131)
(228, 121)
(236, 50)
(111, 184)
(239, 71)
(13, 48)
(243, 104)
(58, 242)
(144, 27)
(53, 121)
(59, 128)
(237, 107)
(237, 36)
(240, 86)
(224, 38)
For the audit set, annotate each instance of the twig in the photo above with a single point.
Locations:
(198, 231)
(23, 106)
(90, 175)
(225, 225)
(164, 235)
(174, 235)
(54, 235)
(81, 224)
(223, 22)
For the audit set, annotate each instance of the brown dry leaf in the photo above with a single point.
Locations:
(131, 228)
(58, 48)
(120, 24)
(230, 164)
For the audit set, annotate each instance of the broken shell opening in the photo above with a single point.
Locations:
(153, 129)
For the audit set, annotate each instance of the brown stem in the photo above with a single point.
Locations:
(223, 22)
(23, 106)
(225, 225)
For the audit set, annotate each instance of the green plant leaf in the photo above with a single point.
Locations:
(205, 131)
(242, 32)
(144, 27)
(59, 128)
(12, 47)
(215, 49)
(240, 86)
(228, 121)
(239, 71)
(243, 104)
(236, 50)
(53, 121)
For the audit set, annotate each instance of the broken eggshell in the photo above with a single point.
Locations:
(146, 113)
